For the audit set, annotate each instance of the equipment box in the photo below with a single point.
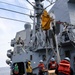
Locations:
(51, 72)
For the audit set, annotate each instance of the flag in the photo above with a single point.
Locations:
(46, 20)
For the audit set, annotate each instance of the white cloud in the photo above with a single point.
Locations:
(2, 25)
(3, 59)
(3, 51)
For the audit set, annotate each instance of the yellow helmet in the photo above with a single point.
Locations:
(29, 62)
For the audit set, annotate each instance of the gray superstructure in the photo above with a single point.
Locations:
(35, 47)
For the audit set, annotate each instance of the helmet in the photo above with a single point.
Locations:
(52, 59)
(41, 61)
(29, 62)
(67, 58)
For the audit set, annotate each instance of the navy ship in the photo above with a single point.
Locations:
(37, 44)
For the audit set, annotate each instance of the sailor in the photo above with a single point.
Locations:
(64, 67)
(16, 69)
(52, 65)
(28, 68)
(20, 41)
(41, 67)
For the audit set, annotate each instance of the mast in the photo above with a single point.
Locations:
(38, 11)
(36, 23)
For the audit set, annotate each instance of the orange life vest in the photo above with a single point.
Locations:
(64, 67)
(53, 65)
(41, 67)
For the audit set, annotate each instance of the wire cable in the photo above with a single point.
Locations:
(14, 19)
(14, 11)
(15, 5)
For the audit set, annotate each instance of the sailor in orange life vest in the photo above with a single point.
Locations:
(64, 67)
(41, 67)
(53, 64)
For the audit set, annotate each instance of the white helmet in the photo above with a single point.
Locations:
(52, 59)
(41, 61)
(67, 58)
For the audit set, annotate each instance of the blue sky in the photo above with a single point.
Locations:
(8, 28)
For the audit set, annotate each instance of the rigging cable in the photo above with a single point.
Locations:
(15, 5)
(14, 19)
(14, 11)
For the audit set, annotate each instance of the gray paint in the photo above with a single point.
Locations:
(61, 10)
(71, 7)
